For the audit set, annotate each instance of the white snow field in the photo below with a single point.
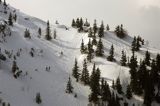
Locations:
(52, 84)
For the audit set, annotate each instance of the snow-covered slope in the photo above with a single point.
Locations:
(51, 84)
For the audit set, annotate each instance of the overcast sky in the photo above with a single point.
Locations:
(140, 17)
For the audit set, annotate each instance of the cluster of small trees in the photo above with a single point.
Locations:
(15, 70)
(144, 80)
(120, 32)
(137, 43)
(80, 24)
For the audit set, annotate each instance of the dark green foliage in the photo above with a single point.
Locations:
(138, 45)
(129, 92)
(101, 30)
(10, 20)
(27, 34)
(95, 27)
(118, 86)
(99, 50)
(123, 59)
(69, 87)
(147, 58)
(48, 32)
(120, 32)
(85, 74)
(4, 3)
(38, 98)
(15, 17)
(73, 23)
(75, 71)
(77, 23)
(107, 28)
(94, 41)
(111, 54)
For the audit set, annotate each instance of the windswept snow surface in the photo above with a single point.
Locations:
(52, 84)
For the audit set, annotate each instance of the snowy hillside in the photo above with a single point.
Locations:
(59, 55)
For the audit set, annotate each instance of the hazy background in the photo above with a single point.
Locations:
(140, 17)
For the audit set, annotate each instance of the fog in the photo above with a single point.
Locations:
(140, 17)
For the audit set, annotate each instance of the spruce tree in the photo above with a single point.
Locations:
(4, 3)
(14, 67)
(107, 28)
(39, 31)
(147, 58)
(48, 32)
(85, 74)
(105, 91)
(111, 54)
(86, 23)
(27, 34)
(38, 98)
(138, 44)
(77, 23)
(10, 21)
(134, 44)
(99, 50)
(129, 92)
(133, 72)
(82, 47)
(80, 28)
(55, 34)
(73, 23)
(69, 87)
(123, 59)
(75, 71)
(95, 27)
(113, 85)
(94, 41)
(101, 30)
(90, 33)
(94, 86)
(118, 86)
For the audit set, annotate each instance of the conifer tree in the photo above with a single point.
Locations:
(14, 67)
(147, 58)
(107, 28)
(105, 91)
(39, 31)
(75, 71)
(123, 59)
(134, 44)
(4, 3)
(94, 41)
(101, 30)
(138, 44)
(85, 74)
(94, 86)
(133, 72)
(38, 98)
(73, 23)
(99, 50)
(90, 33)
(82, 47)
(129, 92)
(113, 85)
(10, 21)
(69, 87)
(48, 32)
(55, 34)
(27, 34)
(86, 23)
(80, 25)
(111, 54)
(118, 86)
(77, 23)
(95, 27)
